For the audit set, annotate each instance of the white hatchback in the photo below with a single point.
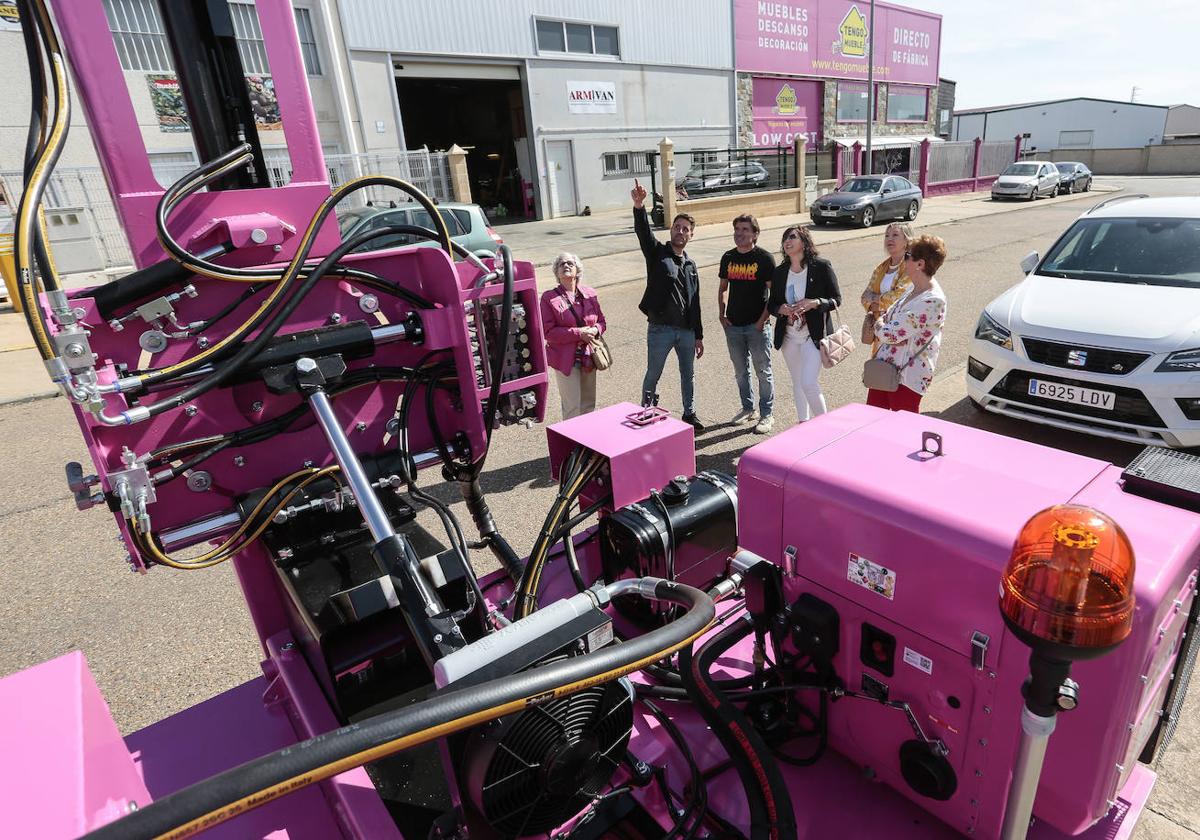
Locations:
(1103, 335)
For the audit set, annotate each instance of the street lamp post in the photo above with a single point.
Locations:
(870, 83)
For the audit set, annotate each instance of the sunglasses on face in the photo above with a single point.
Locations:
(791, 236)
(566, 263)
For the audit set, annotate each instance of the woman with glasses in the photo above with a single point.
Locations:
(804, 290)
(571, 316)
(890, 281)
(910, 332)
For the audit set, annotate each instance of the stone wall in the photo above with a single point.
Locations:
(724, 208)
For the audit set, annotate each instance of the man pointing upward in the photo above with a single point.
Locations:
(671, 304)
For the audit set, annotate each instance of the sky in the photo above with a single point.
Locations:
(1002, 52)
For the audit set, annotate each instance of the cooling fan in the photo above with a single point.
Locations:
(531, 772)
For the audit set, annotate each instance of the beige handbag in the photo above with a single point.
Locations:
(882, 375)
(868, 329)
(837, 345)
(601, 355)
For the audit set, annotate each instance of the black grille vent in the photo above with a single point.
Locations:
(1095, 359)
(1131, 405)
(1165, 475)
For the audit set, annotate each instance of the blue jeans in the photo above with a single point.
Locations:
(660, 340)
(749, 344)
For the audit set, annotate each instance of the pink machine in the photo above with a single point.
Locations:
(885, 626)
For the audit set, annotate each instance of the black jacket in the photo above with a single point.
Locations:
(822, 285)
(672, 295)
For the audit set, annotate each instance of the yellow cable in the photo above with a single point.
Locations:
(227, 548)
(404, 742)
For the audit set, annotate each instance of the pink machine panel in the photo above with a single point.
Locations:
(909, 547)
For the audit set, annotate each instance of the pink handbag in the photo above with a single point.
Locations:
(837, 345)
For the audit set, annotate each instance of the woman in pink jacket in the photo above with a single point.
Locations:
(570, 315)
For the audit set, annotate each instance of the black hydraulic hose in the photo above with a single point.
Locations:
(39, 107)
(481, 515)
(248, 351)
(506, 307)
(699, 799)
(771, 814)
(264, 779)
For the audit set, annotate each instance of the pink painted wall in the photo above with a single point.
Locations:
(781, 116)
(806, 38)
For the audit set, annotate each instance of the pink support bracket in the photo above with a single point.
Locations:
(245, 230)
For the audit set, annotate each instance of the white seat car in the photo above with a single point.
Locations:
(1103, 335)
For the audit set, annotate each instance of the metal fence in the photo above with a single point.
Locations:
(994, 156)
(951, 161)
(708, 172)
(83, 188)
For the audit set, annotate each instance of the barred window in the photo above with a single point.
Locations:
(622, 164)
(308, 42)
(584, 38)
(249, 38)
(138, 35)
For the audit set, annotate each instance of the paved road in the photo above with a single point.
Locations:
(162, 642)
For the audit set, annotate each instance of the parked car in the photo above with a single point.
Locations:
(1073, 177)
(1103, 335)
(711, 177)
(865, 199)
(1026, 179)
(467, 224)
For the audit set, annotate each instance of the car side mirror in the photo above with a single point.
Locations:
(1030, 262)
(887, 190)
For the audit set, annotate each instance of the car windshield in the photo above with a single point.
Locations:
(1065, 168)
(348, 219)
(862, 185)
(1021, 169)
(1161, 252)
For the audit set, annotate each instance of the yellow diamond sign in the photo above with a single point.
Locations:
(853, 32)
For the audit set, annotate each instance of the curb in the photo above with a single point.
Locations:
(28, 398)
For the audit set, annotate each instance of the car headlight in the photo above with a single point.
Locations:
(1181, 361)
(989, 329)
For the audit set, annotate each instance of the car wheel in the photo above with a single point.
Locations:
(913, 207)
(1088, 185)
(1033, 193)
(868, 217)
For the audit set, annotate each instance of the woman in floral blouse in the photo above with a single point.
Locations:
(910, 332)
(889, 281)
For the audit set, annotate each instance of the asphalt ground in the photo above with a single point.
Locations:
(164, 641)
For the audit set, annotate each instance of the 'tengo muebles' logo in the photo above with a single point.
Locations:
(786, 102)
(853, 35)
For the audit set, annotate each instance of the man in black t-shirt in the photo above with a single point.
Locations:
(746, 279)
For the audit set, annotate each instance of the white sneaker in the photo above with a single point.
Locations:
(746, 415)
(764, 426)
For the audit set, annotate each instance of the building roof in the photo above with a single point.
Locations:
(994, 108)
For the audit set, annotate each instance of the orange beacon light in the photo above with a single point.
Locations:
(1068, 586)
(1067, 592)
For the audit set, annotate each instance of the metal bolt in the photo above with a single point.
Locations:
(239, 460)
(308, 464)
(278, 248)
(74, 351)
(987, 710)
(979, 774)
(287, 646)
(201, 342)
(285, 553)
(983, 742)
(335, 318)
(79, 312)
(361, 426)
(437, 638)
(368, 303)
(256, 405)
(306, 365)
(199, 481)
(130, 806)
(191, 411)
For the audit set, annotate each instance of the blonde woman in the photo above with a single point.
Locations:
(571, 314)
(889, 281)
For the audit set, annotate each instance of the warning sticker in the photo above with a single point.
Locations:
(918, 661)
(872, 576)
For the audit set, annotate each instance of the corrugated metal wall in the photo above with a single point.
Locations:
(696, 33)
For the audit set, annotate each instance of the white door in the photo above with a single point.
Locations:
(561, 177)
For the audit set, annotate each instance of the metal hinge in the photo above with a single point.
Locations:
(979, 648)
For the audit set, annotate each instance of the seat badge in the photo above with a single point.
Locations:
(1077, 358)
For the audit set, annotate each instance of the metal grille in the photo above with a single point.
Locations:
(994, 156)
(1130, 405)
(1096, 359)
(138, 35)
(951, 161)
(849, 164)
(1165, 475)
(427, 171)
(249, 38)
